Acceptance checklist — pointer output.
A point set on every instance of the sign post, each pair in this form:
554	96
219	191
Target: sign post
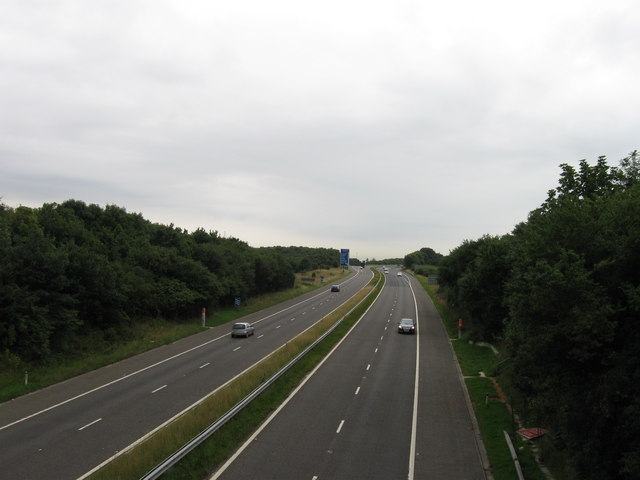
204	315
459	328
344	257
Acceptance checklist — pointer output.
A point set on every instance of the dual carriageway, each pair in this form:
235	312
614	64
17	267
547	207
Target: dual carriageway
380	406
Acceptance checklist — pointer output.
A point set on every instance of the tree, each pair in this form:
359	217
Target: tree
472	278
424	256
573	311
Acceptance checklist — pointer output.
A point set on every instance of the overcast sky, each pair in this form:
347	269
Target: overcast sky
379	126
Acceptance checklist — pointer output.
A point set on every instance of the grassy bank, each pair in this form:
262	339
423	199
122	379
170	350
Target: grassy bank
223	442
99	349
491	408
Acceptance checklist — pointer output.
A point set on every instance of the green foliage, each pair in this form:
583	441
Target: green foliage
424	256
472	279
303	259
563	291
69	270
385	261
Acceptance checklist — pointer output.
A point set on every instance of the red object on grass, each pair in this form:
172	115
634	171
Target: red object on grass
531	433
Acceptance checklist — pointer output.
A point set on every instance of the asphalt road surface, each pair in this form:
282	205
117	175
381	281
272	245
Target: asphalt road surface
383	405
65	431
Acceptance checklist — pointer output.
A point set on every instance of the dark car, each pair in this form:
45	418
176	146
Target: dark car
242	329
335	288
407	325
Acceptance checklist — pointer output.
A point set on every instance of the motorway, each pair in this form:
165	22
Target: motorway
381	406
68	429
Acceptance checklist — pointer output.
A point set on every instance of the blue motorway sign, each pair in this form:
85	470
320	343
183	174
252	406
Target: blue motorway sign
344	257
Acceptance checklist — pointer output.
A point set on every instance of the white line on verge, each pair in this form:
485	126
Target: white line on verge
414	422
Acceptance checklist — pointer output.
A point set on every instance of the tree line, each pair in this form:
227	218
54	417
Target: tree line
69	270
562	294
422	259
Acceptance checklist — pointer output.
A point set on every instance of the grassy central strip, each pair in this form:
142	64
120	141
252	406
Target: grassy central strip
146	455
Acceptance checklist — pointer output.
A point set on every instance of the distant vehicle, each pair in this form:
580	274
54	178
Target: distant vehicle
407	325
399	274
242	329
386	270
335	288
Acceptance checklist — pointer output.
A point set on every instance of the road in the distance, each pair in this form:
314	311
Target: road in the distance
354	418
72	427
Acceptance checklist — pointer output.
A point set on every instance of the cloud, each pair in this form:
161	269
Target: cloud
379	126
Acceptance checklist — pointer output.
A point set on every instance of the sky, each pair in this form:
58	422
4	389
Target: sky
381	126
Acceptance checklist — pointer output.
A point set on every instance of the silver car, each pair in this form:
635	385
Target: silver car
242	329
407	325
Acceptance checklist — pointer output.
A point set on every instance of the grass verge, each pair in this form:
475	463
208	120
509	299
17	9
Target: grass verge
143	457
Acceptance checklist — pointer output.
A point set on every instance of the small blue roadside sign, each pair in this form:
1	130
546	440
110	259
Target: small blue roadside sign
344	257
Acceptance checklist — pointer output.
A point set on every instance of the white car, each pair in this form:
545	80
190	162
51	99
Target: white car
399	274
242	329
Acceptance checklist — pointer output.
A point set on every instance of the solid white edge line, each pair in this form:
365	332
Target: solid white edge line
414	422
250	440
158	363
